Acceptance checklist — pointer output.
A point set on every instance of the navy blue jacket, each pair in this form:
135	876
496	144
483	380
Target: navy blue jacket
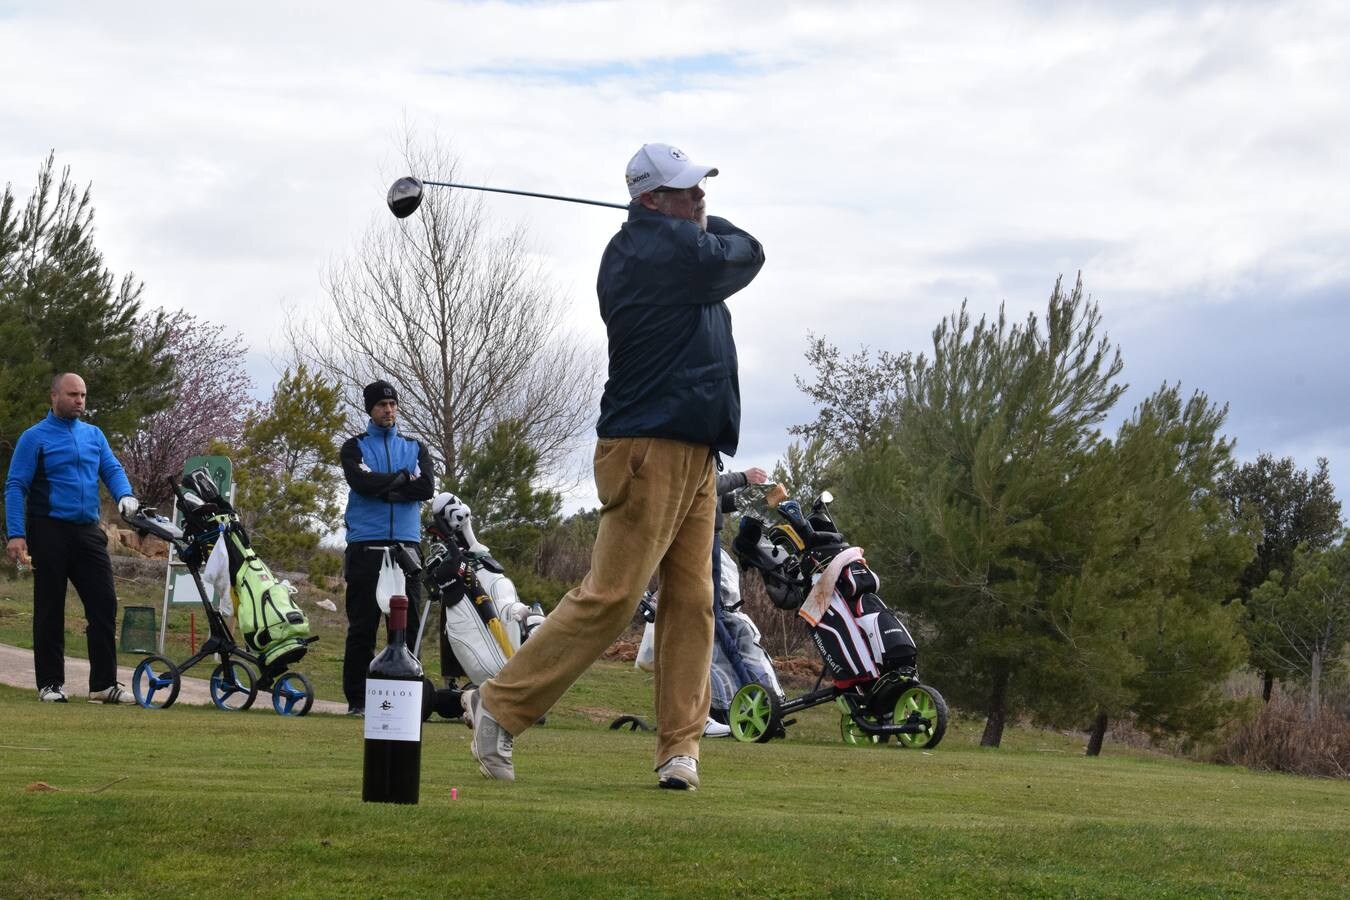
389	475
672	358
55	471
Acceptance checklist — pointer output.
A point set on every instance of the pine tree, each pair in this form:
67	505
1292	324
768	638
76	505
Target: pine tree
498	481
1292	509
286	472
1144	629
63	311
511	516
1305	628
991	430
1046	569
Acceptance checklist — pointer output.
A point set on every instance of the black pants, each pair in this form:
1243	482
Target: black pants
64	551
363	563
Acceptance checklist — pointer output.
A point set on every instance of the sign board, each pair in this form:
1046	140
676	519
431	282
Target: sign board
178	584
182	589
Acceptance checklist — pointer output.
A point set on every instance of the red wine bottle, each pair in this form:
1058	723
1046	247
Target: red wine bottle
393	768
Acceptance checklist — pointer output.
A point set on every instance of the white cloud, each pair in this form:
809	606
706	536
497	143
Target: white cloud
893	158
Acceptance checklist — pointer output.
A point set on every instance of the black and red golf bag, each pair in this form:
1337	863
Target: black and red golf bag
808	566
858	636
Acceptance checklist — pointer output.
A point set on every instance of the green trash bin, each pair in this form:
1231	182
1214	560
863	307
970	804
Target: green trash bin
138	629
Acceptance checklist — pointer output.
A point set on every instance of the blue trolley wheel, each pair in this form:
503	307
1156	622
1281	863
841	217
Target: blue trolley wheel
234	686
156	682
292	695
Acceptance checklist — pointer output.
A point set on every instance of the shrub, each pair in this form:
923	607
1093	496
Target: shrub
1286	736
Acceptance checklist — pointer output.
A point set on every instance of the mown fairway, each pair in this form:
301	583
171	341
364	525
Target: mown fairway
217	804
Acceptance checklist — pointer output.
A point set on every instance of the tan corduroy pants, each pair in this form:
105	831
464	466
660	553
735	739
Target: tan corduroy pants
657	503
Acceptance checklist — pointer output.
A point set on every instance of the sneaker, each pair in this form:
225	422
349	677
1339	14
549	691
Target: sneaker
714	728
114	694
358	711
53	693
679	773
491	745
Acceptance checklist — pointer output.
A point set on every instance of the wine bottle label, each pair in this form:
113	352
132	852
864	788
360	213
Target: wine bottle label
393	710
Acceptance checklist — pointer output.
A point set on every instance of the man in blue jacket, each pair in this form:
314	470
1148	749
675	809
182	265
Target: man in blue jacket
389	476
51	517
671	404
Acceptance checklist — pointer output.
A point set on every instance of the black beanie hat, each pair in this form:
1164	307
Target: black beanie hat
377	391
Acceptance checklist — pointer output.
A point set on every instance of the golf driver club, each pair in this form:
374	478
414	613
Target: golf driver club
405	195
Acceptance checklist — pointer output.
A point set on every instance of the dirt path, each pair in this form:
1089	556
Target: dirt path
16	669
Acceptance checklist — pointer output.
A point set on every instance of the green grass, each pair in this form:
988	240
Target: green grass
212	803
216	803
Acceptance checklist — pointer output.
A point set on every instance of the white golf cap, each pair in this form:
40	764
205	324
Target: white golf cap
661	165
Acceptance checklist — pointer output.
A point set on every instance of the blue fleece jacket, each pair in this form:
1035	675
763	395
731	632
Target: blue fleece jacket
55	471
389	475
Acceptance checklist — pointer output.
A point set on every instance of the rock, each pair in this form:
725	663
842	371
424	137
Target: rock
126	542
623	651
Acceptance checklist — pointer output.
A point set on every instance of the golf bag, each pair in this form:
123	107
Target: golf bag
273	627
485	621
738	656
857	635
808	566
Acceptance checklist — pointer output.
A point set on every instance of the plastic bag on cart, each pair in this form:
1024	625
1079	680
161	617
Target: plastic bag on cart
646	654
216	575
391	583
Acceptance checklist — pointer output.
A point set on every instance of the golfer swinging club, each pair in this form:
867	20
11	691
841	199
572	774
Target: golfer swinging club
671	405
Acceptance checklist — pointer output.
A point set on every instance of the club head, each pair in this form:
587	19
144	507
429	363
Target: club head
405	195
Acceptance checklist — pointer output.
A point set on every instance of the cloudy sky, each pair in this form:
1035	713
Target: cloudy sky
1188	158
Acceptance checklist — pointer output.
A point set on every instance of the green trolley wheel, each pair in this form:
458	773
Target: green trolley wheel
921	705
849	730
754	714
855	736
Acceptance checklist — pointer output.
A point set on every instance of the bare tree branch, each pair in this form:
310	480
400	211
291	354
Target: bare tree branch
462	321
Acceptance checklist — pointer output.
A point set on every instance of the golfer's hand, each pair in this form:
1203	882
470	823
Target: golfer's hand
756	476
128	506
17	548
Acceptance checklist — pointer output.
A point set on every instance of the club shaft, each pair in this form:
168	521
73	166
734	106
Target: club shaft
475	187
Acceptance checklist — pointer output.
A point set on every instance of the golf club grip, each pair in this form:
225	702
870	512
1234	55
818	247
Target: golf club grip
475	187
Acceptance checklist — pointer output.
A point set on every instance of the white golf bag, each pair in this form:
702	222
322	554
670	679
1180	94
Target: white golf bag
739	644
485	620
745	644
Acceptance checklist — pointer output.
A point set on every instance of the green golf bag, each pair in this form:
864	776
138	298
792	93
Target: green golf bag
273	627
